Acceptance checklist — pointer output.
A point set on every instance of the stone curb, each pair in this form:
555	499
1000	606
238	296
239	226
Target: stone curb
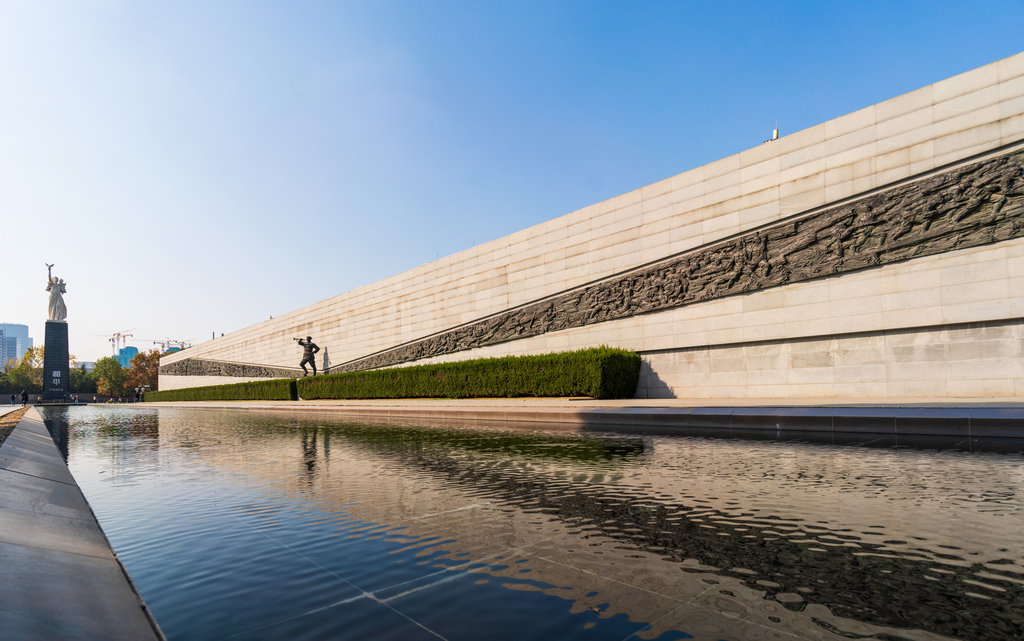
942	426
62	580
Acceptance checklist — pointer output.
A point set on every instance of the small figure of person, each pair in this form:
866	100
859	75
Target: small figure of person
136	396
24	397
12	399
64	399
309	350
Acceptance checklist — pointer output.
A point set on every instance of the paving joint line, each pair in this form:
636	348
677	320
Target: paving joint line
38	477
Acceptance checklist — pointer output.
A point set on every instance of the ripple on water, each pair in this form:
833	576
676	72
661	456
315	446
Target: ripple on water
271	526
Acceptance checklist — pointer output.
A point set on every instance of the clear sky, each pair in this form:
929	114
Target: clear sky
195	167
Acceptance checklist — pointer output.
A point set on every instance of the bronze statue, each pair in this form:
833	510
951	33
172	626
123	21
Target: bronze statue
309	349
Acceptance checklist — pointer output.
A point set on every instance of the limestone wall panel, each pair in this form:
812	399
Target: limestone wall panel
944	123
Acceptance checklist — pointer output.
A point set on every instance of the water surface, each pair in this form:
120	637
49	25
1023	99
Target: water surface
247	525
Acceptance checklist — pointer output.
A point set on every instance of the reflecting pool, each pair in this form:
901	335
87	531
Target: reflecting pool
247	525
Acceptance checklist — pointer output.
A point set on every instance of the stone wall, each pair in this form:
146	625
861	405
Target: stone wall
901	216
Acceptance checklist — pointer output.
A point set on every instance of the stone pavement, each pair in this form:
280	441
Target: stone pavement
61	580
4	409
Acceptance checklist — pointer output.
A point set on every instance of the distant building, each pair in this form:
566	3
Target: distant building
86	365
125	356
14	341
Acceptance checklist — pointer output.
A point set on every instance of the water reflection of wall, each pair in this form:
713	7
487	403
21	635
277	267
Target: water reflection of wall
666	531
56	419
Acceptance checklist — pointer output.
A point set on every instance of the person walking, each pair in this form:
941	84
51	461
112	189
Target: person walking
12	398
24	397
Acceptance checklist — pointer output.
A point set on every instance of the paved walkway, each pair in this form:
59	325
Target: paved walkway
61	580
4	409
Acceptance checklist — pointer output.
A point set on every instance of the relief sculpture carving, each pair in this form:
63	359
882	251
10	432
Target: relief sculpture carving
969	206
203	367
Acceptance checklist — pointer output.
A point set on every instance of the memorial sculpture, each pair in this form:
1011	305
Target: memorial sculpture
309	350
56	368
56	287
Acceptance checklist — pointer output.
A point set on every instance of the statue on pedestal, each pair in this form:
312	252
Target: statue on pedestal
58	311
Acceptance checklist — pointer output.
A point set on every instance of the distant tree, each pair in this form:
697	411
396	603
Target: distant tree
145	370
82	381
6	387
34	356
28	375
110	377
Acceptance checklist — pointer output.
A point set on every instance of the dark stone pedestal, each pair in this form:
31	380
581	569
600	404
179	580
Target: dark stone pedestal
56	370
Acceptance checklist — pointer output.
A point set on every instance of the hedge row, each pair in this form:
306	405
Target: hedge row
601	372
278	389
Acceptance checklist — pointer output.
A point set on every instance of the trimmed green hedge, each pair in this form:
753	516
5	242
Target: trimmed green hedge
278	389
601	372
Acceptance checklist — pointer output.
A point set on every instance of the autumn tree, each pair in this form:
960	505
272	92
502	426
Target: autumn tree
111	378
145	370
28	374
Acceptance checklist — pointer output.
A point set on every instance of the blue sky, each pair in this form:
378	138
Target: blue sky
194	167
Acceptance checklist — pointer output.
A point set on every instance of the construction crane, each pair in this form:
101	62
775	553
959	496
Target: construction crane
169	343
117	338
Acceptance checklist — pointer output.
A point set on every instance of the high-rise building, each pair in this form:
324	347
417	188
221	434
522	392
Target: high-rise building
125	356
15	341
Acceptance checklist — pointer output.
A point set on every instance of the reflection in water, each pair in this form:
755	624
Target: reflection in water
139	427
308	436
280	527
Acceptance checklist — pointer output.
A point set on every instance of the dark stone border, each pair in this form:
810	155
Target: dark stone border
971	429
968	206
991	428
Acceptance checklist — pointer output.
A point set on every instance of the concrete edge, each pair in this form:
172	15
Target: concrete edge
44	451
898	421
